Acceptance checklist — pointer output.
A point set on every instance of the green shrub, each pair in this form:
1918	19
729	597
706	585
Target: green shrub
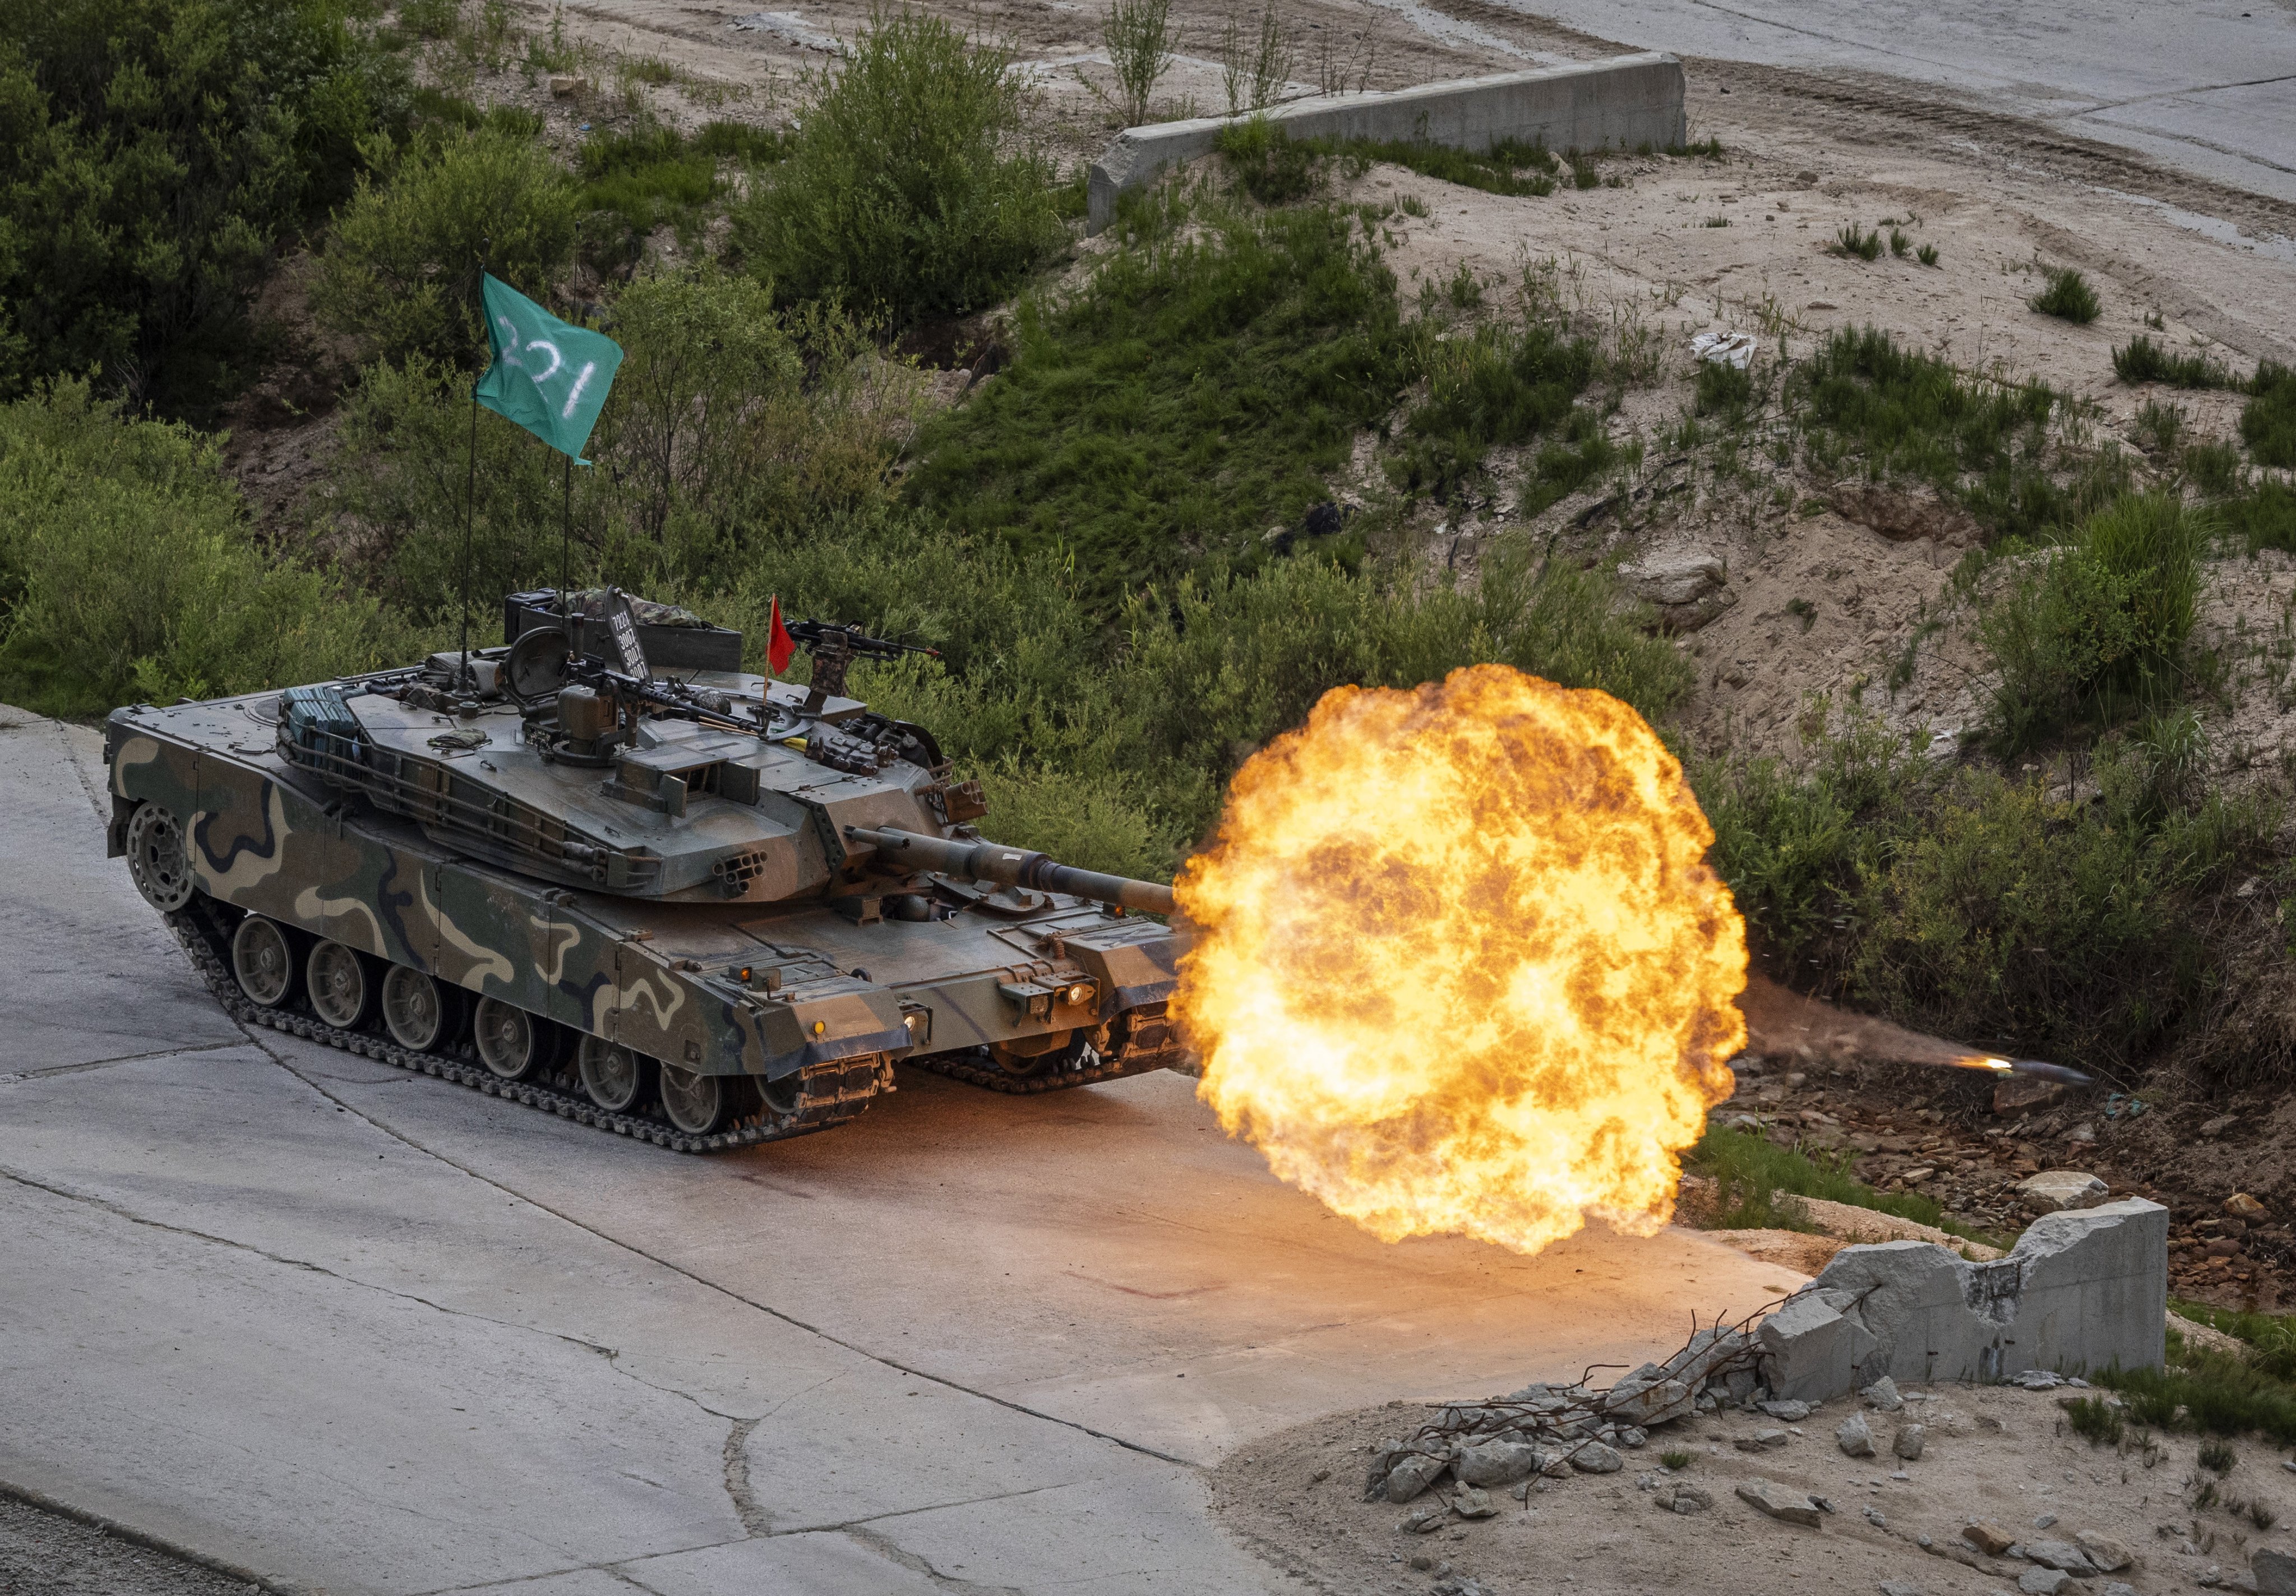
901	191
1188	396
1497	387
2214	1393
401	270
2267	423
728	426
2141	360
2214	467
1968	904
153	154
2068	296
2097	1420
2103	617
128	571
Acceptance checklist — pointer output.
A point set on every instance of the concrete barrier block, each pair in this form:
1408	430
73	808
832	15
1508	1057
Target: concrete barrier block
2082	1289
1620	103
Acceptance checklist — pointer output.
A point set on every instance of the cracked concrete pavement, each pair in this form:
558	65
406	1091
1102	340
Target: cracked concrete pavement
352	1331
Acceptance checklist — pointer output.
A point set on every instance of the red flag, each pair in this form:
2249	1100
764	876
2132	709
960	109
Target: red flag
779	644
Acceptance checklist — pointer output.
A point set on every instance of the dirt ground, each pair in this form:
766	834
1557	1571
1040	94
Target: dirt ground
1993	1453
47	1554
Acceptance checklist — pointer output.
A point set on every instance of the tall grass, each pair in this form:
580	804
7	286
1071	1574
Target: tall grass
2099	622
909	190
2141	361
1751	1172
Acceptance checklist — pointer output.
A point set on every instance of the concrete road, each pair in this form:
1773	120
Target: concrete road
355	1330
2209	87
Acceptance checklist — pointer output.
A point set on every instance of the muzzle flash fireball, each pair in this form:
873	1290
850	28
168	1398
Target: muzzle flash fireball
1460	964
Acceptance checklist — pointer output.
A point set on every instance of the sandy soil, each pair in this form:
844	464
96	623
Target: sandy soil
1994	1453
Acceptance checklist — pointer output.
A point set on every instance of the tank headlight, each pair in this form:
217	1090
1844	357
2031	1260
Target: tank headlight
1079	995
819	1026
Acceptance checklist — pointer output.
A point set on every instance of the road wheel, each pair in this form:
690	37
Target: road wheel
1036	1055
413	1009
512	1043
614	1077
263	962
158	863
696	1103
337	979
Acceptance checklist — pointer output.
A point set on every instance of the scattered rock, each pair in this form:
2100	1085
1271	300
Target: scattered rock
1854	1437
1595	1457
2108	1555
1790	1412
1883	1395
1908	1444
2063	1555
1899	1587
1425	1519
1987	1539
1763	1440
561	85
1899	514
1497	1462
2044	1520
2043	1582
1412	1474
2274	1572
1472	1502
1675	577
2242	1206
1684	1498
2052	1190
1779	1501
2021	1094
2114	1587
2219	1125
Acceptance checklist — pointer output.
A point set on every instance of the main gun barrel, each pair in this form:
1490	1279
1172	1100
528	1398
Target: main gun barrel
1010	866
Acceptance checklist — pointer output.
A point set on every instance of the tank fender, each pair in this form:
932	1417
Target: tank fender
1130	972
797	1031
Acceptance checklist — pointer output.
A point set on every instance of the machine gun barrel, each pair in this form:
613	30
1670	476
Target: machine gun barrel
1010	866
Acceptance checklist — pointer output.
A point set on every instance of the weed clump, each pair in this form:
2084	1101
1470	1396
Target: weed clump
1863	242
2068	296
899	193
2096	1419
1902	414
1749	1172
1723	390
1927	255
2141	360
1509	166
2267	423
1271	168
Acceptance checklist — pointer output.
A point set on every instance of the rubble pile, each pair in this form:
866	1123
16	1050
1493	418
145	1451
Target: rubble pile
1555	1430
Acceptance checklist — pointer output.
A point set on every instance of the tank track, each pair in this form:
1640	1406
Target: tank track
830	1094
1151	1041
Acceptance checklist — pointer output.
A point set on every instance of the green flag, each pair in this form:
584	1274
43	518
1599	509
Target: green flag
549	376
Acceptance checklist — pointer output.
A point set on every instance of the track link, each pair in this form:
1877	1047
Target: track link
1151	1041
830	1094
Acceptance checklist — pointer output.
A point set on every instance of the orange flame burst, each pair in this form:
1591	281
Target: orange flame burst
1460	965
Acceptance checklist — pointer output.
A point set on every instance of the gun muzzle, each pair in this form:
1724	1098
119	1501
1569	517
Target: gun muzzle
1009	866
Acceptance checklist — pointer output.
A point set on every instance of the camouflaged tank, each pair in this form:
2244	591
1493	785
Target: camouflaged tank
603	871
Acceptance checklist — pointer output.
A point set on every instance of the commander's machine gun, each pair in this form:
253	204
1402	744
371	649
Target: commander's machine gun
835	647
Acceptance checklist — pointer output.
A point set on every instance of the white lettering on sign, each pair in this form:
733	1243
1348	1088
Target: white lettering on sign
556	360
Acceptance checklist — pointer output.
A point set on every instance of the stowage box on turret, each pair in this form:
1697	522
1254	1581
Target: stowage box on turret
604	872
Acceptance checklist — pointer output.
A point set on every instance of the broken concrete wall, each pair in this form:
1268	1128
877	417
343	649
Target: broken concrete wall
1622	103
2082	1289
